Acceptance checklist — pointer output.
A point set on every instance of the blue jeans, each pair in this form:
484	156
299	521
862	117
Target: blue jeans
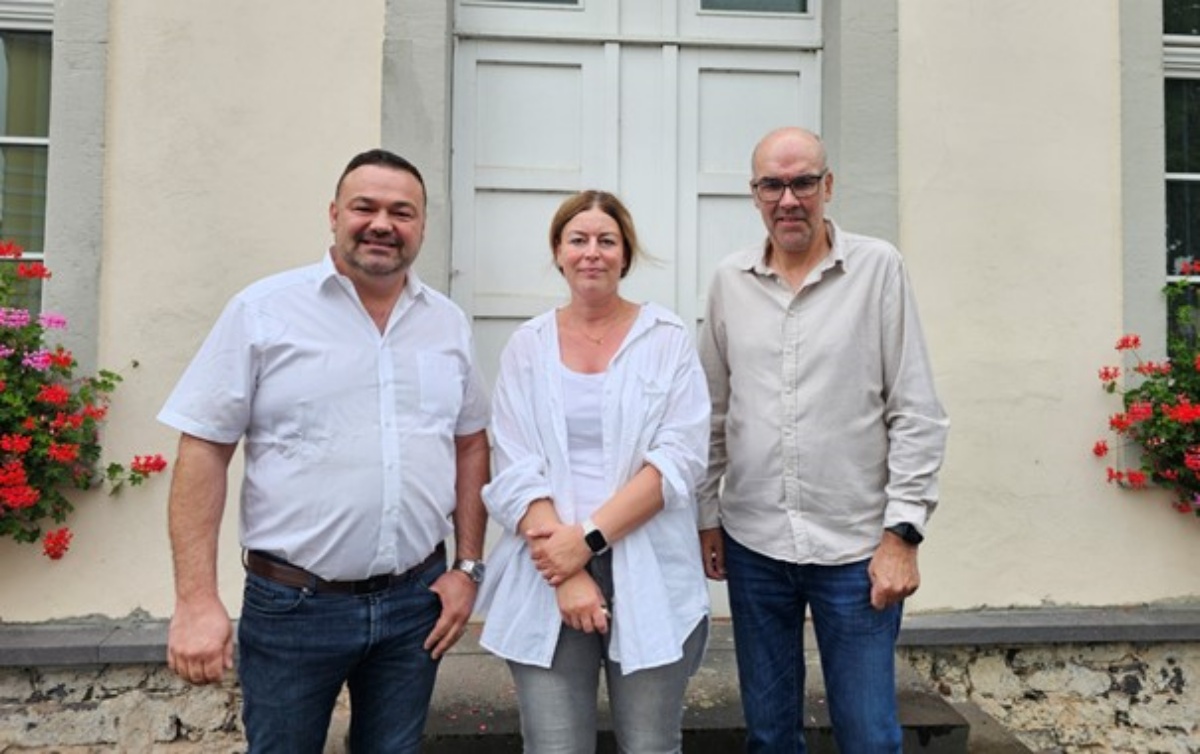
297	649
767	599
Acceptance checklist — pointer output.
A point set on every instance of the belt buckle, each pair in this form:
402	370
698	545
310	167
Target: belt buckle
373	584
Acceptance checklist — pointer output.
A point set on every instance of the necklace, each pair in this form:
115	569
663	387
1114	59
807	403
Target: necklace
598	339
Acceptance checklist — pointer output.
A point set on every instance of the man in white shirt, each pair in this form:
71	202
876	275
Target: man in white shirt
826	440
354	390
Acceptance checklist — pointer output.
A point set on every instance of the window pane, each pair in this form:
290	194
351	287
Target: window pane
1183	223
531	2
1181	17
1183	125
24	84
759	6
23	196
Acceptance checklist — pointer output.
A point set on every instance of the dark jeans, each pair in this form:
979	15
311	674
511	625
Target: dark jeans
767	599
297	649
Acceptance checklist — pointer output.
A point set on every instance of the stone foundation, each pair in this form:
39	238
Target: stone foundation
129	708
1122	697
1061	679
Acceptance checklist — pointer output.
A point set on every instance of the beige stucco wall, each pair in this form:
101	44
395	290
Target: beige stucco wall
1011	220
228	122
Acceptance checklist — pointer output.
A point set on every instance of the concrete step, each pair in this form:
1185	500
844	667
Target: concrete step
474	709
930	725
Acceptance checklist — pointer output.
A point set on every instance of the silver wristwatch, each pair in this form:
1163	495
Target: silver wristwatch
473	568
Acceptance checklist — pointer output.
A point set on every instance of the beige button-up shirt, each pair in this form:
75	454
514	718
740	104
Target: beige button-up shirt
826	427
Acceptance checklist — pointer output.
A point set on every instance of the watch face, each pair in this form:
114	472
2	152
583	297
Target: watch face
472	568
908	533
596	541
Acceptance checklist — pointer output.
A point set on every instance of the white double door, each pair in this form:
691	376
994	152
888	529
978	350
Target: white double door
648	101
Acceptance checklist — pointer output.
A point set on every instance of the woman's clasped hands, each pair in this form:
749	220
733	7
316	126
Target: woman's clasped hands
559	553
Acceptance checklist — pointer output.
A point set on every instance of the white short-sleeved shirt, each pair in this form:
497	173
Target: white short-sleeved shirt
349	433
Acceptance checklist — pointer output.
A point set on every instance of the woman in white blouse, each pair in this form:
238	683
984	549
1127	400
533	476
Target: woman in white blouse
600	428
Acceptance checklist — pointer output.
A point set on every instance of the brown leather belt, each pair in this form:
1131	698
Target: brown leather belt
282	572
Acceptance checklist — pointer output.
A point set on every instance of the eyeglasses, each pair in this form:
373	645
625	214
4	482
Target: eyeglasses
802	186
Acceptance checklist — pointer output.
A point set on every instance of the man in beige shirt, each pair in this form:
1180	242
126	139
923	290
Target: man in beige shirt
827	437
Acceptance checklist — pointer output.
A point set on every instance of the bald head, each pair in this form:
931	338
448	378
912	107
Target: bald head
788	136
789	163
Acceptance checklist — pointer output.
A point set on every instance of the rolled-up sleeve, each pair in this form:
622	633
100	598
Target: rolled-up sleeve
520	474
679	449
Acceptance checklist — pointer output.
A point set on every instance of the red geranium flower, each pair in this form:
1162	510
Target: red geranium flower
19	497
148	464
32	271
56	543
1129	343
55	395
64	453
16	443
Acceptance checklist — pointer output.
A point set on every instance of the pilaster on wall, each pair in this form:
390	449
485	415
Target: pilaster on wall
75	174
860	114
1143	165
417	71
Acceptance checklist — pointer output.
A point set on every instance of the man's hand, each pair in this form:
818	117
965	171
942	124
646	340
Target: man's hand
558	551
893	570
200	641
712	551
581	604
457	592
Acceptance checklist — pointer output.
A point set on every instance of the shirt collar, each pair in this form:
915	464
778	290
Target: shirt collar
755	260
414	287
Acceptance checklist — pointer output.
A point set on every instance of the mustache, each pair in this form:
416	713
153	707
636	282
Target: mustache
377	237
792	213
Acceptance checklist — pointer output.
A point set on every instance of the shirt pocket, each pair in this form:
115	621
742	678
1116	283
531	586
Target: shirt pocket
654	392
645	406
441	386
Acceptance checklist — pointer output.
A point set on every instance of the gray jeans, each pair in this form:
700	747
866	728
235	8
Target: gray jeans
558	704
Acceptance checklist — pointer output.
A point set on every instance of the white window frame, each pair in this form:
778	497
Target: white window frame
1181	60
36	16
27	15
659	21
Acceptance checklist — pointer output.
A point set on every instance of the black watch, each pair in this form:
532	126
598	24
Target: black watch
908	533
594	538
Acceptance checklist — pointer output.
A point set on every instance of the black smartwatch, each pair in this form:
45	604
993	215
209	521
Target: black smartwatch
908	533
594	538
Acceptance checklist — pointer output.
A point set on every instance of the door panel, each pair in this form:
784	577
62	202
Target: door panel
530	128
668	127
729	100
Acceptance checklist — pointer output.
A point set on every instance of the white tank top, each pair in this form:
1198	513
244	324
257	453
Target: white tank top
584	406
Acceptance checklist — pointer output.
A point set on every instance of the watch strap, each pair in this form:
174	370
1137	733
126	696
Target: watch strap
473	568
594	538
908	533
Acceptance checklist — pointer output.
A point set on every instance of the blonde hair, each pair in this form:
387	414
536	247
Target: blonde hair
608	204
